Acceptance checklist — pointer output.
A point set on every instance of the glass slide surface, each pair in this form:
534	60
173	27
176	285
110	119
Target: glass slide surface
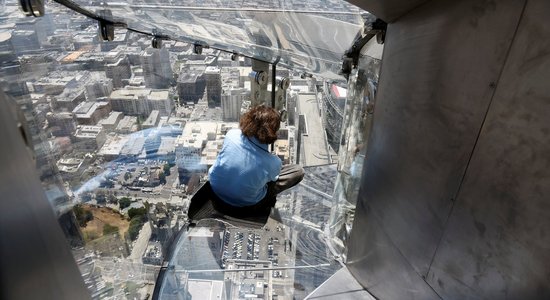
307	36
123	135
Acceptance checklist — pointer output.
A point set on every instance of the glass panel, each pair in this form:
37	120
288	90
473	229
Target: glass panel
292	246
356	128
123	135
307	36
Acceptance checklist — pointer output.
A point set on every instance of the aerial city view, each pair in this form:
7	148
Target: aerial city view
123	135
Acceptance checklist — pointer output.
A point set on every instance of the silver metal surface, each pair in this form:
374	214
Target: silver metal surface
388	10
258	87
341	285
35	259
441	66
497	243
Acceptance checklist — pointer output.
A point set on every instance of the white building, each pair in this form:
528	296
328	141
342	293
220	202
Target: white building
111	122
140	101
232	99
160	100
198	146
127	125
89	138
190	144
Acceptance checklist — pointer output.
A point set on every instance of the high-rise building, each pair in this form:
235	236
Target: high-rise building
140	101
191	86
117	68
334	100
89	138
213	86
130	101
160	100
89	113
99	89
69	99
111	122
156	68
232	99
61	124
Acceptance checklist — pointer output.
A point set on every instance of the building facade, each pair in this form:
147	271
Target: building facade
213	79
156	68
191	85
118	69
89	138
334	100
231	101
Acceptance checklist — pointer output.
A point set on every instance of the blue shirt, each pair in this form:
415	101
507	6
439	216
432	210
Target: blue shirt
242	170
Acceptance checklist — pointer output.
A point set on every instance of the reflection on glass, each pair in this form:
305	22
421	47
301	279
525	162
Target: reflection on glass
123	135
288	258
356	126
309	37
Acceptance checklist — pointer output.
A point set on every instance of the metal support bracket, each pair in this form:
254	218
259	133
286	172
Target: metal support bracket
32	7
258	82
351	56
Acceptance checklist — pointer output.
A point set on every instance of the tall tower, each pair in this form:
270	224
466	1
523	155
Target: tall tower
231	102
156	68
213	86
117	67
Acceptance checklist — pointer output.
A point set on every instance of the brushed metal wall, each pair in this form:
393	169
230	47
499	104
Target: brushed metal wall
497	242
455	201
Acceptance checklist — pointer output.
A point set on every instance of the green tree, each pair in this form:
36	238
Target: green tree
109	229
162	178
167	169
135	225
83	216
124	202
132	212
100	197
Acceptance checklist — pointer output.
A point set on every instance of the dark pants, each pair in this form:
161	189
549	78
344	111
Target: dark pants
290	176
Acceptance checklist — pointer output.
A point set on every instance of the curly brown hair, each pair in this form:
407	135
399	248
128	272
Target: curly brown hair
261	122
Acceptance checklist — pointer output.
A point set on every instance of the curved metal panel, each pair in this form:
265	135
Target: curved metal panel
387	10
441	62
497	244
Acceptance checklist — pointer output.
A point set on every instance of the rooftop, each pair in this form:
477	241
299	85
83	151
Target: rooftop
133	93
112	119
86	109
159	95
87	131
114	144
212	70
152	119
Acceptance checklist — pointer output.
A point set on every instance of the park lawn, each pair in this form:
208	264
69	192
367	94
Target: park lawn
102	216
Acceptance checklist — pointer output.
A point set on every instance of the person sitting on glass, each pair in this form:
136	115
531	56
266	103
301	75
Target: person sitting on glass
246	177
